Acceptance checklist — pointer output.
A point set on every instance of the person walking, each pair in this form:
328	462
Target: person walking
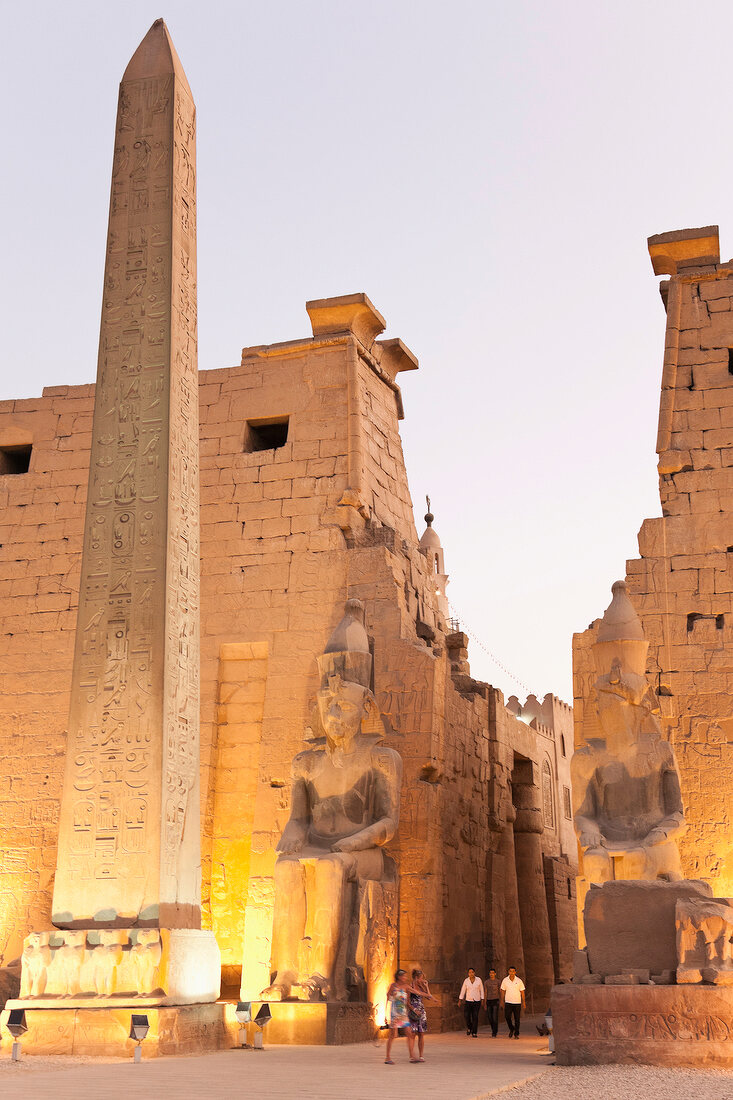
416	1009
471	996
512	997
398	1017
491	995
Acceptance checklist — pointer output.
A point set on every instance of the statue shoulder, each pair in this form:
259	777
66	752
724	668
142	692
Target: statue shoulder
584	762
386	759
305	763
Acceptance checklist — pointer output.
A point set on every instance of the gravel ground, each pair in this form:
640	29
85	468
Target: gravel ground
45	1062
625	1083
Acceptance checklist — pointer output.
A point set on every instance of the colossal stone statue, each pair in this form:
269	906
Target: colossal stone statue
626	790
345	808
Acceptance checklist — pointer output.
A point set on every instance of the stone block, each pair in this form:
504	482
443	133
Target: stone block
647	1024
631	925
105	1032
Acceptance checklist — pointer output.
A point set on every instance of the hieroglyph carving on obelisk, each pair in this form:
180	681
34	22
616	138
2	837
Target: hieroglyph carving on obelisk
129	842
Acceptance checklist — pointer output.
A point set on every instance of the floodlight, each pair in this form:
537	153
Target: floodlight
16	1024
139	1028
263	1016
243	1011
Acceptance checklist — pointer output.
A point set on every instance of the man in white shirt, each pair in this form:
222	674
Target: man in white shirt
471	996
512	997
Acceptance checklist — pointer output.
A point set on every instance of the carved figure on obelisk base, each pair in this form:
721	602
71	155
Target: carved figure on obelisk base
345	808
626	787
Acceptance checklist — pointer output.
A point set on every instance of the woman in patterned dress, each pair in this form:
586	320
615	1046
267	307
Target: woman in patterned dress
416	1009
397	1015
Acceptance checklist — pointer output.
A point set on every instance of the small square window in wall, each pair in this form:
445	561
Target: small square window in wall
15	460
566	803
266	435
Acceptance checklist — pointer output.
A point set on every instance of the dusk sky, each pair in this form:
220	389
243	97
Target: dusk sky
487	173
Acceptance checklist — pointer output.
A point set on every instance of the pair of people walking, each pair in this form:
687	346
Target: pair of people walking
510	993
406	1012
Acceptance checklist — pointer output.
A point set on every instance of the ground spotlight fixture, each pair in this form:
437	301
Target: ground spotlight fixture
17	1026
243	1012
139	1028
262	1018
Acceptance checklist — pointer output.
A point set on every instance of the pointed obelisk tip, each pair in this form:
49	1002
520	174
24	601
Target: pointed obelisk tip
155	56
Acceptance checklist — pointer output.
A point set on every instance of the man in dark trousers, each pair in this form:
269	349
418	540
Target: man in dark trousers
471	997
512	997
491	995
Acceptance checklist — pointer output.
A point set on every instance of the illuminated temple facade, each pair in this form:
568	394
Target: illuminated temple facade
304	503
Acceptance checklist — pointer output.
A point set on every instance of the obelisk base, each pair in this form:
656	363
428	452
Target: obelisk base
184	1029
115	967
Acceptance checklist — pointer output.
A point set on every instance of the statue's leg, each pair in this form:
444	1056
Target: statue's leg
330	874
636	864
289	923
597	865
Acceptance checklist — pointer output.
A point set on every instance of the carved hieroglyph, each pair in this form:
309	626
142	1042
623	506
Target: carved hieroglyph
129	847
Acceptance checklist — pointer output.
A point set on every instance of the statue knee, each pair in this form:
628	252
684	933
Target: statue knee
597	865
288	872
329	869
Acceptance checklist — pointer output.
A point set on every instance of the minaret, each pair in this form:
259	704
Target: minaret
129	836
431	546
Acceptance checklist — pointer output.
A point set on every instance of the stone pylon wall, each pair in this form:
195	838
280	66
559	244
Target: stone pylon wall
287	534
682	583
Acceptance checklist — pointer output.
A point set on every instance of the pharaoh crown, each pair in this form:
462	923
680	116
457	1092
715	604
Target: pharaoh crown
347	653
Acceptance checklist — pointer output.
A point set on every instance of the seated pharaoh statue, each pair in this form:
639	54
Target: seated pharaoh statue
626	787
344	809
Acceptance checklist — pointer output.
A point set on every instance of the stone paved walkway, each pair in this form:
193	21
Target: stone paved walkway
456	1068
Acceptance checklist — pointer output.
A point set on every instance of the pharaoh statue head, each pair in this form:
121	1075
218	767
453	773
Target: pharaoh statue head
619	654
344	698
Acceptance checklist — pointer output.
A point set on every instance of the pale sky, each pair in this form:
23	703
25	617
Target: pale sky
486	172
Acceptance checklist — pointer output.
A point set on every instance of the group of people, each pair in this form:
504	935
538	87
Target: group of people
475	993
406	1007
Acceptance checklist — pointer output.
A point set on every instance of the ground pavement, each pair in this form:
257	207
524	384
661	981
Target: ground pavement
456	1068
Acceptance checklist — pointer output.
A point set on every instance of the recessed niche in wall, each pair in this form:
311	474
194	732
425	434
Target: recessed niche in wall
15	460
266	435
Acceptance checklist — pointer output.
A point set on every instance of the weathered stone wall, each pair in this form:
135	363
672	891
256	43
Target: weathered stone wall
287	534
682	584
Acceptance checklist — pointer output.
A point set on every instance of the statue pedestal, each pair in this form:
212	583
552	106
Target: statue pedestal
318	1023
664	1025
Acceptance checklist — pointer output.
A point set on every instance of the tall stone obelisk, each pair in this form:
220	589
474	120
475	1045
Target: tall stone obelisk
129	837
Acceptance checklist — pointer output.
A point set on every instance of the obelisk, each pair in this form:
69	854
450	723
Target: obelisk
129	836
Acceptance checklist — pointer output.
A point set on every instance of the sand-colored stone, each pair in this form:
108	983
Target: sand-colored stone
288	533
140	967
683	1025
681	584
194	1028
631	925
704	940
129	834
335	905
628	810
